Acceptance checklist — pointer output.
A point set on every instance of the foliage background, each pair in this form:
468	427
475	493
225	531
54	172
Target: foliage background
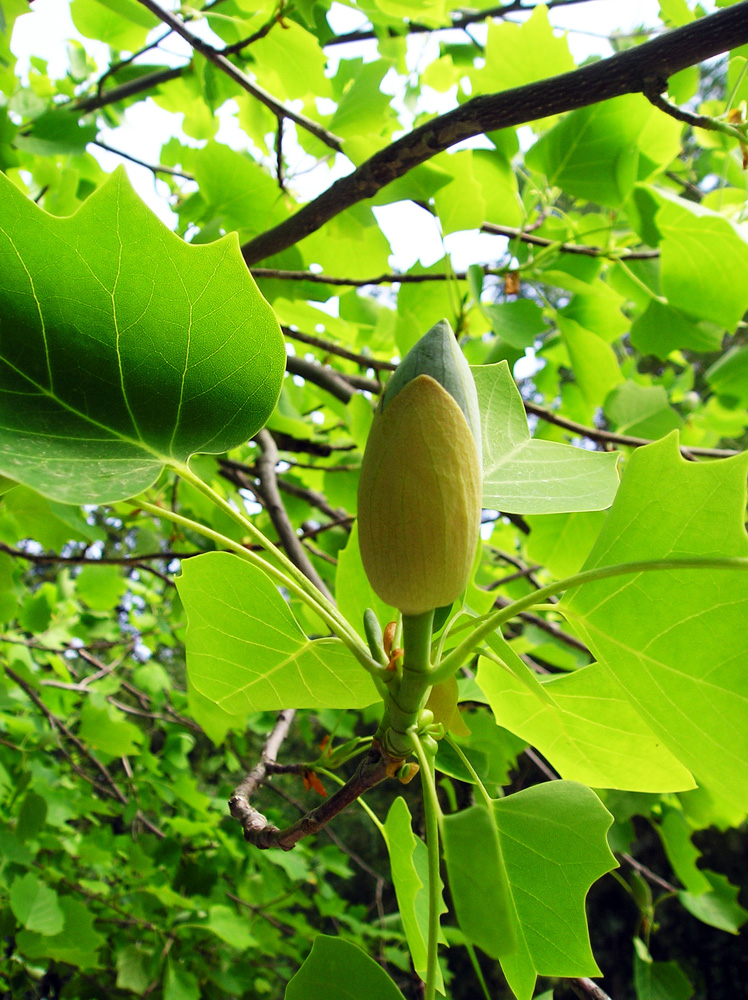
121	872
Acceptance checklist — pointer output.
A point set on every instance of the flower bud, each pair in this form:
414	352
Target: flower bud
419	496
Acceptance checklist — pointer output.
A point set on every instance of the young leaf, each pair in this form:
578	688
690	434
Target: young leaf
150	351
338	970
676	641
246	652
526	476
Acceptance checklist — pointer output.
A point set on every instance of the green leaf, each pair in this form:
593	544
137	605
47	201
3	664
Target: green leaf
132	969
123	23
675	834
157	350
641	410
729	375
675	641
101	587
179	983
662	329
527	476
517	54
554	846
593	361
577	154
562	542
77	944
588	730
338	970
104	728
719	907
36	905
660	980
478	883
409	868
518	322
246	651
704	258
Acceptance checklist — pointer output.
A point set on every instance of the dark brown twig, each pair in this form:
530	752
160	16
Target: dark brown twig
235	74
571	248
611	437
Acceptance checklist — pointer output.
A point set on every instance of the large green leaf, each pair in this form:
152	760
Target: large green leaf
676	641
147	352
599	152
338	970
527	476
246	651
586	727
478	882
704	259
553	839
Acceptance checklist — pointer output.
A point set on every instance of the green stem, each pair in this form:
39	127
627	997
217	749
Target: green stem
454	660
320	601
432	816
332	621
408	697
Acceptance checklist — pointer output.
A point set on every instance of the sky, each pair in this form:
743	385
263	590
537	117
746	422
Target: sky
412	232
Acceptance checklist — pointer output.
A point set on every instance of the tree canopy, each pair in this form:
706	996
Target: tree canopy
187	388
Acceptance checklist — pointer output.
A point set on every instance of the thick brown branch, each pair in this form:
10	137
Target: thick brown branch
373	769
234	73
643	68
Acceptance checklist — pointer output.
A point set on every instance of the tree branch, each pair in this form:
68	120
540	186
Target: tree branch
611	437
460	20
574	248
645	67
234	73
265	469
373	769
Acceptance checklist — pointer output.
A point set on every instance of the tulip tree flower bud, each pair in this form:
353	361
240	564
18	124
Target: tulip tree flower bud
419	495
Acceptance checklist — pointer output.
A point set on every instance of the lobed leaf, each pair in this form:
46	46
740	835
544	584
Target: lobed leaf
149	351
526	476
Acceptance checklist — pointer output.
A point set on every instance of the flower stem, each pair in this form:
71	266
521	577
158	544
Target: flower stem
432	816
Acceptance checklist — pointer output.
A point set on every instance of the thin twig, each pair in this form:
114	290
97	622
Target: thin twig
572	248
611	437
234	73
155	168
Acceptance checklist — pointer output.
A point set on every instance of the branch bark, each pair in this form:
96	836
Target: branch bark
644	68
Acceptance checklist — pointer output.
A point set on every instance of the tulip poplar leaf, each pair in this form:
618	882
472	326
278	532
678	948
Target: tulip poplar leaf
553	842
675	641
588	730
246	651
148	351
339	970
523	475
